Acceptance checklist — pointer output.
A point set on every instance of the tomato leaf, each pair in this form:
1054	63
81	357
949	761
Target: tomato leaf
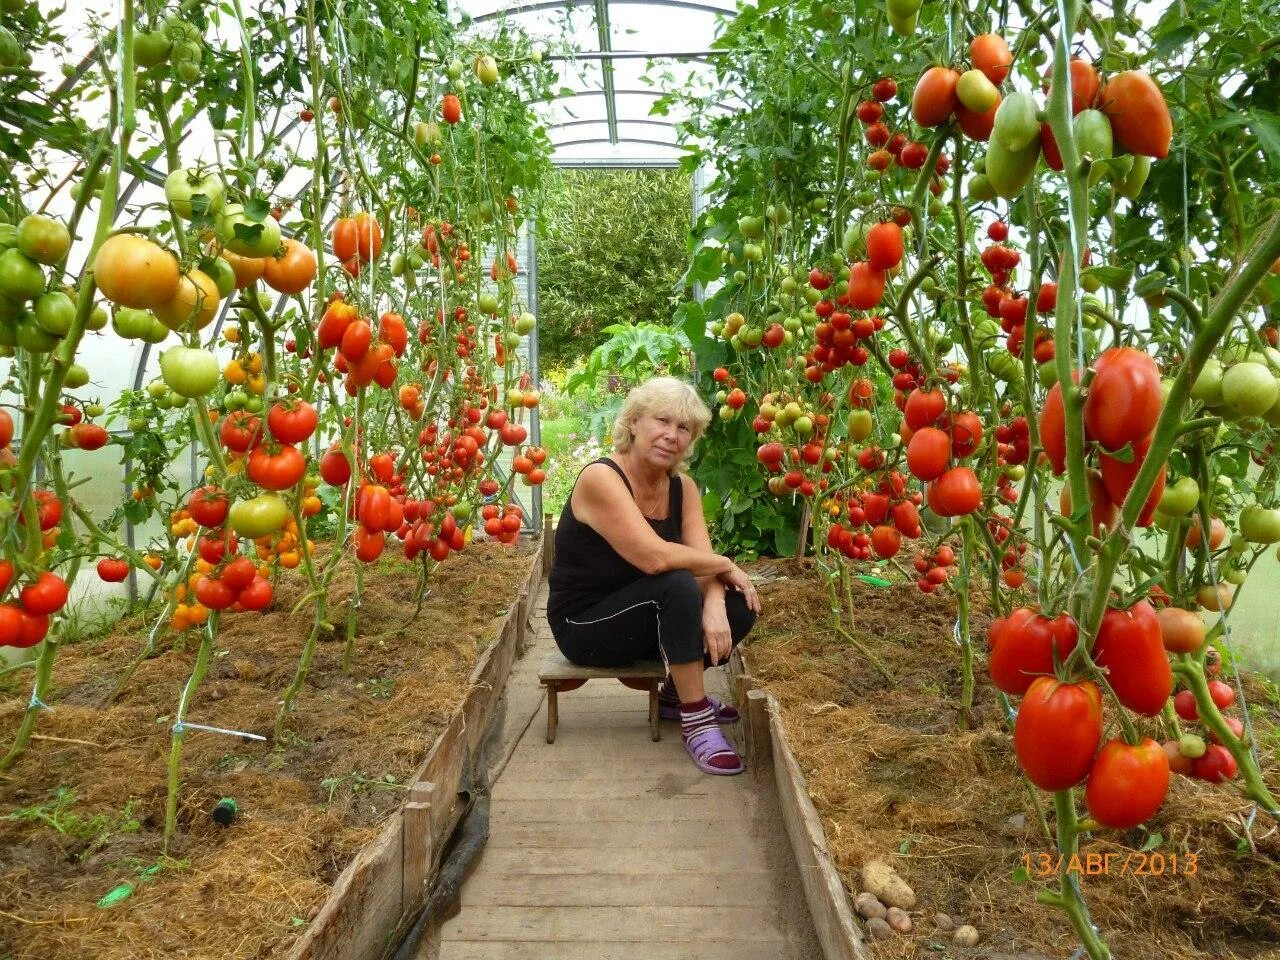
1153	841
1020	876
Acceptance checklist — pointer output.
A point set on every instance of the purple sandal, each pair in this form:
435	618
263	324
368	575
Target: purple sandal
670	709
709	743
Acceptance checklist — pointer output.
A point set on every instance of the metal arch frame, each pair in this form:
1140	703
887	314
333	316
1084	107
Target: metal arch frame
637	163
655	94
541	5
582	123
604	34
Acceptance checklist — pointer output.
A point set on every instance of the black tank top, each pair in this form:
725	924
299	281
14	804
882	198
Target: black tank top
586	568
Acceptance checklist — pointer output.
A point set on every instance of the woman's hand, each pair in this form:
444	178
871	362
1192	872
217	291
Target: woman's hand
717	639
738	580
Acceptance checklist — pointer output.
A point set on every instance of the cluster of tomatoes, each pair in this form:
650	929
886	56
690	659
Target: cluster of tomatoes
878	517
357	241
1190	755
1003	304
935	438
935	568
81	434
1120	413
365	358
893	148
440	237
25	623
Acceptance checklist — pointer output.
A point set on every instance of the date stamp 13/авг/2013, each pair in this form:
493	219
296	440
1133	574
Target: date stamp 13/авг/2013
1130	863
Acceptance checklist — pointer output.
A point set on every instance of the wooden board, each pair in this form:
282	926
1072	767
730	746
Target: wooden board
648	925
828	902
556	667
633	854
363	909
706	833
608	950
605	890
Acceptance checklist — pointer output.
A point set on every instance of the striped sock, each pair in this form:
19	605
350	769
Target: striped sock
667	697
700	717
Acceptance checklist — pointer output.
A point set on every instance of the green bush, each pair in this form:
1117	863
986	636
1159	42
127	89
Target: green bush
612	249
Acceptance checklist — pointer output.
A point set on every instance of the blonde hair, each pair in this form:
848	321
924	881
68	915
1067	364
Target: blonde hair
661	395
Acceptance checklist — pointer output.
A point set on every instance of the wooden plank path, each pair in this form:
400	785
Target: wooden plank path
607	846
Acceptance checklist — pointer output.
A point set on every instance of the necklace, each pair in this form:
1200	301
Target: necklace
657	502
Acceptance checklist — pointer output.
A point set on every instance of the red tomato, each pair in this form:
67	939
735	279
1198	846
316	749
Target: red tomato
1222	694
292	420
6	576
1102	511
383	467
47	595
934	98
1177	762
208	506
1022	647
866	286
1216	766
966	434
240	430
1124	399
239	573
276	471
335	468
112	570
344	240
450	109
48	509
392	331
884	245
924	407
927	453
1053	428
6	428
1118	477
89	436
10	625
214	594
1057	732
886	541
369	544
1184	704
990	54
34	629
1139	115
1127	784
955	493
372	505
355	341
257	595
1129	647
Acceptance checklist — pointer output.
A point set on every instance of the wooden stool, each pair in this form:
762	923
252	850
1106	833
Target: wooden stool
557	673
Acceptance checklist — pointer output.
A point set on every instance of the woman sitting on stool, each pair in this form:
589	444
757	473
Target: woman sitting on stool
634	576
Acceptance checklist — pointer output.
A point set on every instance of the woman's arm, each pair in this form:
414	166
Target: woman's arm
601	500
694	533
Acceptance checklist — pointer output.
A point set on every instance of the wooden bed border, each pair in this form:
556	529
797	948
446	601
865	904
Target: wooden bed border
388	880
768	750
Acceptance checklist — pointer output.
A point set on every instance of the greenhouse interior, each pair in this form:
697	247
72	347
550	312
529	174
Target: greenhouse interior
653	479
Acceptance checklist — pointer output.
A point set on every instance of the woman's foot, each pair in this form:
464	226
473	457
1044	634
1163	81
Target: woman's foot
669	705
710	751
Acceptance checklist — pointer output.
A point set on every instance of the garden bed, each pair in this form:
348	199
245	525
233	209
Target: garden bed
893	778
83	811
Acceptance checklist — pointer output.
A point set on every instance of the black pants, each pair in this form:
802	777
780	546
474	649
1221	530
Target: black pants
657	617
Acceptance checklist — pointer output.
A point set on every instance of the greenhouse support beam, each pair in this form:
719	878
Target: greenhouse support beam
613	163
557	4
605	34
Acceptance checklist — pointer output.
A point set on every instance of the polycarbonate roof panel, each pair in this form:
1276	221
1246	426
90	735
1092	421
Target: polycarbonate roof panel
651	31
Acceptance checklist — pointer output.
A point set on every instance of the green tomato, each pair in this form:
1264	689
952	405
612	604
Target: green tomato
156	389
8	235
249	238
455	69
132	324
511	340
1208	386
461	511
97	319
860	424
150	49
20	277
525	323
253	404
8	335
486	69
188	190
157	332
55	313
803	425
138	424
1250	388
258	516
1180	498
33	338
174	400
77	376
1234	574
235	400
189	372
43	239
221	273
1259	524
488	303
92	410
751	337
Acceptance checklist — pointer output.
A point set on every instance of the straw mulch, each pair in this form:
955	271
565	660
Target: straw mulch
894	777
247	890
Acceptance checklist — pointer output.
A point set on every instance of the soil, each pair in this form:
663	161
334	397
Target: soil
306	804
895	777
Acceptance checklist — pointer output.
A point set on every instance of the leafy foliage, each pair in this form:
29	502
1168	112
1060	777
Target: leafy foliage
612	250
